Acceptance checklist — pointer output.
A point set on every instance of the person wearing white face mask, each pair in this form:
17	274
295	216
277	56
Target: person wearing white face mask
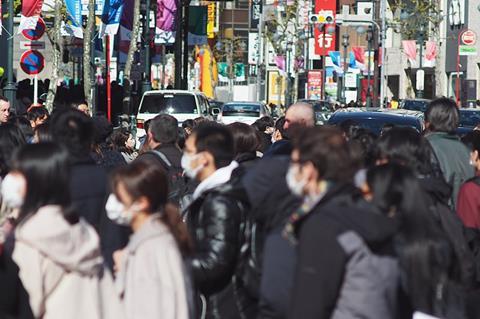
321	173
151	277
57	253
216	221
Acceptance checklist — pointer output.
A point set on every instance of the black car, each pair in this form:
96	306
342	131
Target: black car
414	104
323	110
375	119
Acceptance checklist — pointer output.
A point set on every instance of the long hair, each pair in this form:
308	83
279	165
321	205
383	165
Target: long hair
11	138
141	178
424	253
45	167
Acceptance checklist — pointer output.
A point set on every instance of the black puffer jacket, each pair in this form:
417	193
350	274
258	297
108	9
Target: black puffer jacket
217	222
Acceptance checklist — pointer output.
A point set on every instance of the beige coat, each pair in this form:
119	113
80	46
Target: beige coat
62	269
151	277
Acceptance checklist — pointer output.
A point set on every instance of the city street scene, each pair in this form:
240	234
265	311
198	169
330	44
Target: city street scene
239	159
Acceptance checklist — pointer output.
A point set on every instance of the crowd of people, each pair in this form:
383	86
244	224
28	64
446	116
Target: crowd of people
279	219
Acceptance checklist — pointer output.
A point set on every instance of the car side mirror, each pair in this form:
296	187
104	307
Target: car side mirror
215	111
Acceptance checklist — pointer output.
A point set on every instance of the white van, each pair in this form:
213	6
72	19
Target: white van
181	104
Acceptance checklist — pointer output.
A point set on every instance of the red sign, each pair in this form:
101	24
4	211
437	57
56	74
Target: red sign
37	33
325	42
314	85
32	62
469	37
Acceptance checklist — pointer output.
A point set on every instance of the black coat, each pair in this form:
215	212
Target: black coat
217	223
89	191
321	260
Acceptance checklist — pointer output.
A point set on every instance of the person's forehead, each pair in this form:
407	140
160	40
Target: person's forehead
4	104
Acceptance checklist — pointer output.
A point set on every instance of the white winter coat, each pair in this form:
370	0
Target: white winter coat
62	269
151	277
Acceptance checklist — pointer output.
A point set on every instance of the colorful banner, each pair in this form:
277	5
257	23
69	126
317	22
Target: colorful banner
112	12
410	50
255	13
197	25
125	32
165	27
212	20
431	53
31	10
314	85
73	27
325	42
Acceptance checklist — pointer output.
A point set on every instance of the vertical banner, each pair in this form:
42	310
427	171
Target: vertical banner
211	20
323	45
314	85
255	13
166	13
112	12
197	25
31	10
74	18
126	26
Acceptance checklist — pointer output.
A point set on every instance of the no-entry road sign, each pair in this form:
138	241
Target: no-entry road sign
32	62
469	37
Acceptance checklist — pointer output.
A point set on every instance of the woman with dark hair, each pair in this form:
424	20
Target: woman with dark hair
11	138
425	255
102	153
151	276
57	253
123	141
246	143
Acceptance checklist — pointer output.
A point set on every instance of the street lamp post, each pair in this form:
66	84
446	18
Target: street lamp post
288	93
146	85
421	34
345	43
10	87
369	84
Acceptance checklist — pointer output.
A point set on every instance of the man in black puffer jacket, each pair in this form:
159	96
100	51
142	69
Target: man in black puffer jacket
217	223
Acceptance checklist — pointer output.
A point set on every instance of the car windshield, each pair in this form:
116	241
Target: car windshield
415	105
169	103
241	110
469	118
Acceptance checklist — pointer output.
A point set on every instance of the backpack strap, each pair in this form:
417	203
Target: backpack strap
161	156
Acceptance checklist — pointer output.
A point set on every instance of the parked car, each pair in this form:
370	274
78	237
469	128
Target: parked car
374	119
244	112
469	119
183	105
414	104
323	110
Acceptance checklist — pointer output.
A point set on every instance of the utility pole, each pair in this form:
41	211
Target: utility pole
10	88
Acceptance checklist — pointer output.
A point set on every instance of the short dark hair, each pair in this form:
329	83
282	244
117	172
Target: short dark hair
3	98
262	123
164	129
245	138
74	130
326	148
279	126
118	139
43	133
11	138
472	141
37	112
45	164
442	115
217	140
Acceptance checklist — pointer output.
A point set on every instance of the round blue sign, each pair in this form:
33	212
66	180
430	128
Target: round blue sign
37	33
32	62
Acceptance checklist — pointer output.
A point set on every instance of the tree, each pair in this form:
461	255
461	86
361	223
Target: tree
56	39
131	52
87	48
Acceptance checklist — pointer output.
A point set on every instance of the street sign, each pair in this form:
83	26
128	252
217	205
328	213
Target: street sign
469	37
32	62
420	80
37	33
32	45
253	49
464	50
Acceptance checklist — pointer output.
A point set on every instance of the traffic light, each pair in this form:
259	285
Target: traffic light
323	17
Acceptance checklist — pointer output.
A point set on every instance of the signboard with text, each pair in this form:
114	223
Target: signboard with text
324	42
314	85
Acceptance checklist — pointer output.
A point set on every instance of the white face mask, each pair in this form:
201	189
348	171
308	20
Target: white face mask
187	165
12	189
117	212
295	186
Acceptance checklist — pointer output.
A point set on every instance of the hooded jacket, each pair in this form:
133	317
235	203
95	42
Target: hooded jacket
62	269
321	259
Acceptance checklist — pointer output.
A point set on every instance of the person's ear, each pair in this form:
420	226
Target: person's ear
142	204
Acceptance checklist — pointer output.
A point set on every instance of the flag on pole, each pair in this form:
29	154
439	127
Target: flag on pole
112	12
431	53
126	27
166	13
31	10
73	27
410	50
336	61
